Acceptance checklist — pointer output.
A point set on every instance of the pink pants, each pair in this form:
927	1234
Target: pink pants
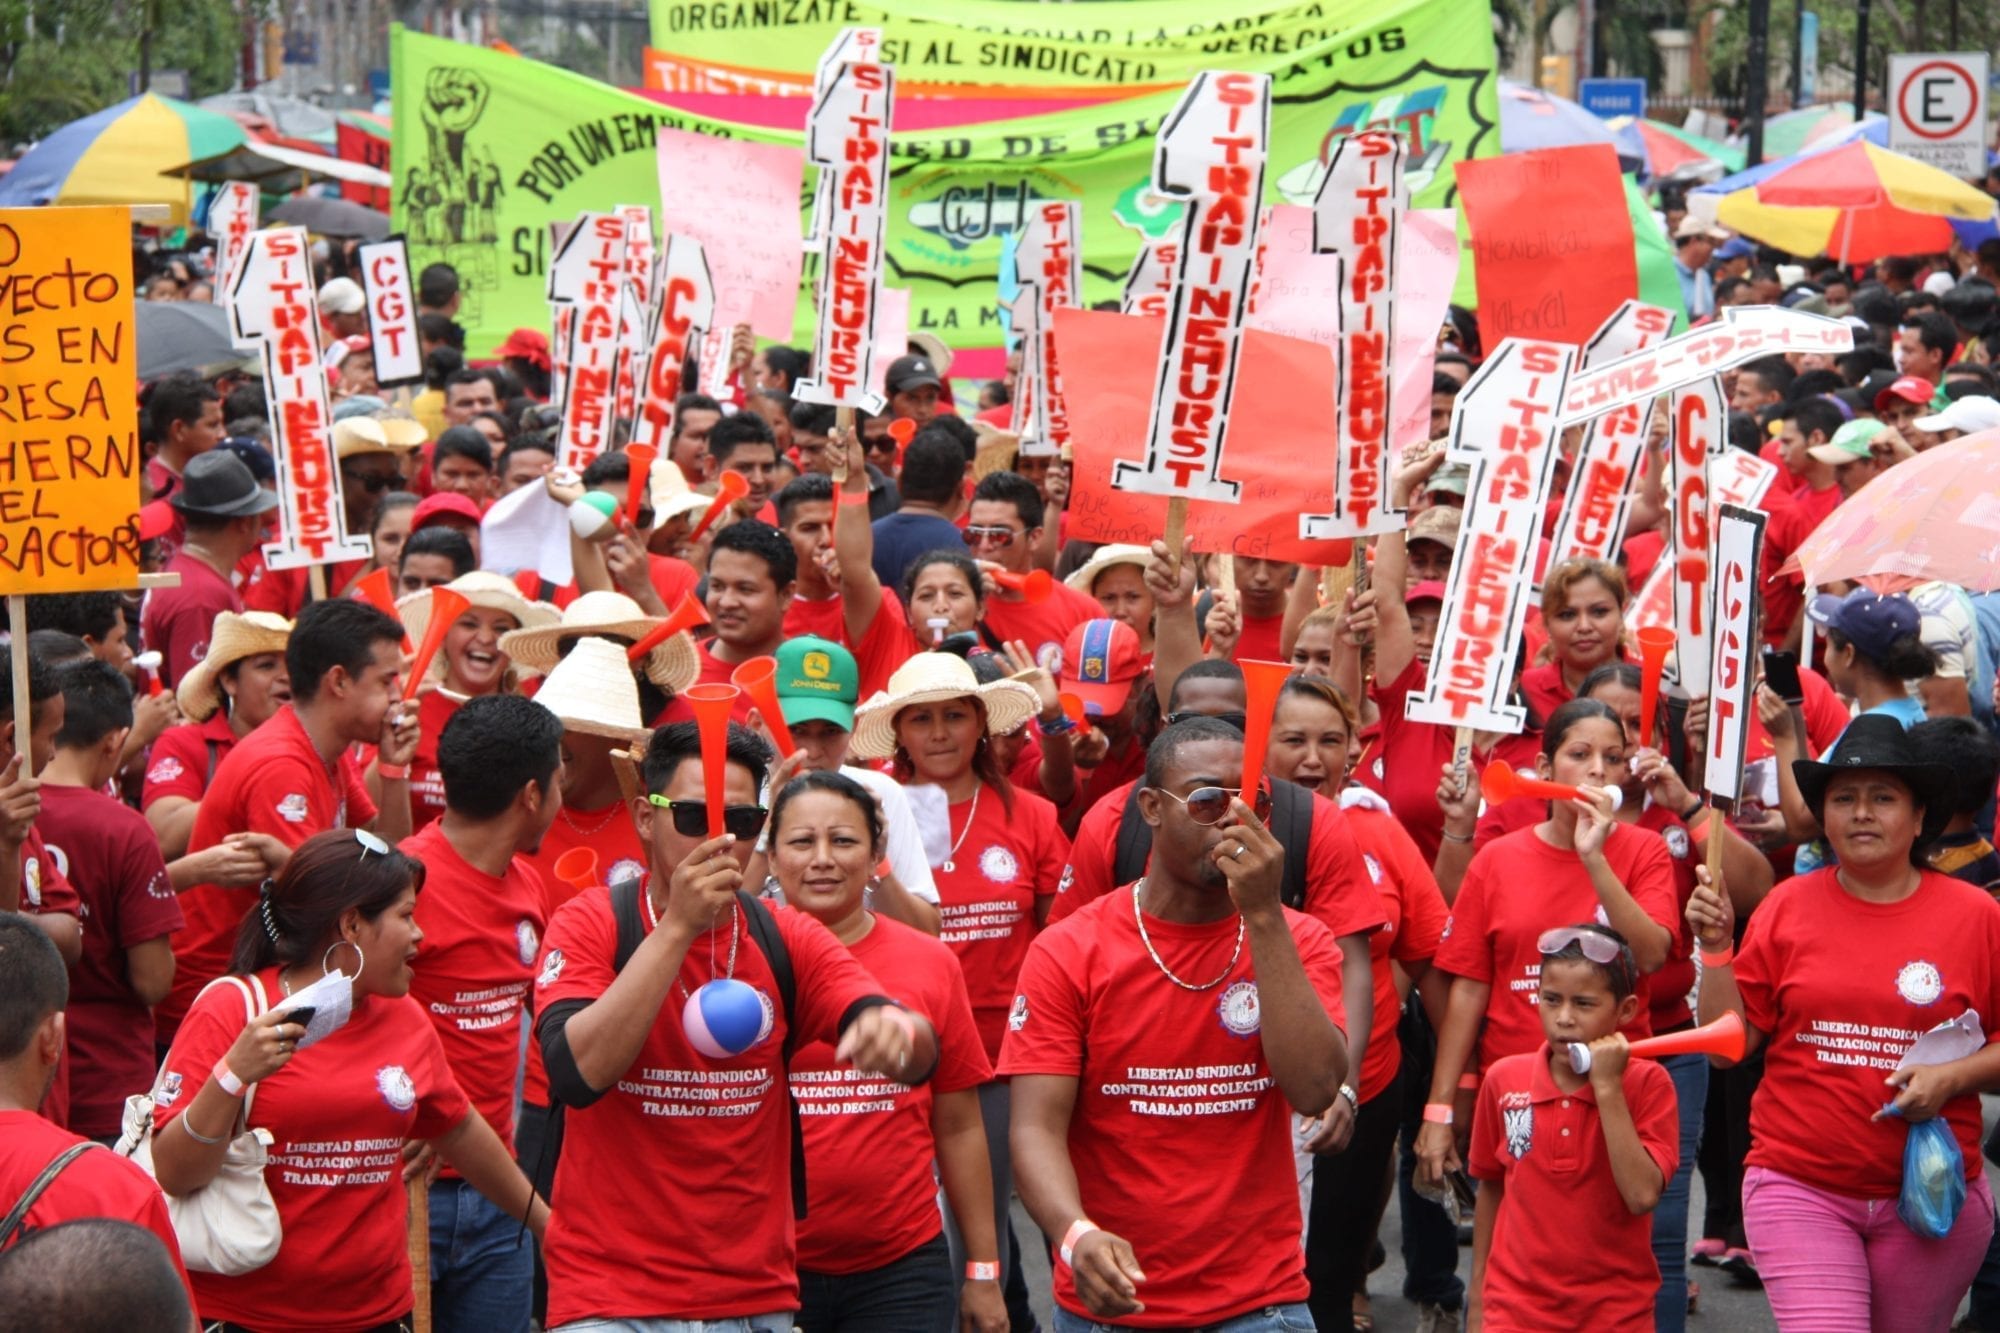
1833	1264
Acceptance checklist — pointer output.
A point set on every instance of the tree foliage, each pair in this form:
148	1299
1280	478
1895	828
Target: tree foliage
63	59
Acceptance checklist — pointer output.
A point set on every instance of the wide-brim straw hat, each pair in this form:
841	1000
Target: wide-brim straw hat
235	637
489	592
592	691
670	494
402	432
1116	554
994	451
1878	741
369	435
930	678
673	665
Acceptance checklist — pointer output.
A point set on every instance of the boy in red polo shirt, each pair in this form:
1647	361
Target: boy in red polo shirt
1593	1150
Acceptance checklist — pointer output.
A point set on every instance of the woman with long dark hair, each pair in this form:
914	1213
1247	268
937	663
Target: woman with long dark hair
342	1069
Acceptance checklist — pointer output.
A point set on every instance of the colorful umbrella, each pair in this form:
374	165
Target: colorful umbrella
1670	149
117	156
1796	131
1531	119
1928	517
1855	203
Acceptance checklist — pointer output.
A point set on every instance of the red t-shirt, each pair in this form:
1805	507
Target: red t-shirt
184	758
887	644
45	891
673	578
609	832
1842	987
99	1183
285	592
1825	713
987	891
684	1150
337	1114
1409	758
482	934
1546	1146
110	856
1784	594
1519	887
1417	914
1260	639
177	622
1339	890
273	782
1042	625
870	1194
714	671
1120	769
434	709
1169	1079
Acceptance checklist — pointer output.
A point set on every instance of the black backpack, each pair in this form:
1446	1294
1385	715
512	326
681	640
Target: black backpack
1291	825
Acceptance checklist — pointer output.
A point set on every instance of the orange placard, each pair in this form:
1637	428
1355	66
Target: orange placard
69	420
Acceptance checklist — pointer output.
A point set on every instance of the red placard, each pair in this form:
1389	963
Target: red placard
1265	439
1551	241
351	144
274	307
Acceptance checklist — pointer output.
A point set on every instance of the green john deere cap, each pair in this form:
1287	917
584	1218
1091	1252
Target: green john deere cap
817	681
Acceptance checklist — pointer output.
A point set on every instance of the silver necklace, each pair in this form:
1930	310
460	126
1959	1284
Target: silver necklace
970	815
1139	920
653	916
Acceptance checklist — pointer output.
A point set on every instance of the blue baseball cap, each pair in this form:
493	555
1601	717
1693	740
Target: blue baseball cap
1872	623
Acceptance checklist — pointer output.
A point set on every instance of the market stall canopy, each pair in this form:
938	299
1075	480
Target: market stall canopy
116	157
278	170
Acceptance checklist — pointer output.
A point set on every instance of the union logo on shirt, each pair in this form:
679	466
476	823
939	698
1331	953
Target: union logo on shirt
1677	842
394	1083
1018	1017
1374	867
31	881
998	864
1920	983
1239	1010
166	770
551	968
526	942
293	809
169	1090
1519	1122
624	870
1068	878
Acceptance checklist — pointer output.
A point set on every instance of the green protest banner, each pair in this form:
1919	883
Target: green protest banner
491	148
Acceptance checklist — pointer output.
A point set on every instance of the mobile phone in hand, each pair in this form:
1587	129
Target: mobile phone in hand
303	1015
1781	673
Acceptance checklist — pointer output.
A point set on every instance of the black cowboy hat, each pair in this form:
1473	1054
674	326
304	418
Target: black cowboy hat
1878	741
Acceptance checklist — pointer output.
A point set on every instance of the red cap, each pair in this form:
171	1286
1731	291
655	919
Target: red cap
156	520
443	504
1101	659
530	345
1429	589
1910	388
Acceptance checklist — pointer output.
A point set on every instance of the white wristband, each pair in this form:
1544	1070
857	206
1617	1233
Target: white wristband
225	1078
1078	1229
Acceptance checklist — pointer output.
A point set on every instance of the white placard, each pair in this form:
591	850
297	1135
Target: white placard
1504	426
678	326
847	137
1695	436
232	216
587	279
1739	539
1048	264
392	312
1209	153
1739	334
1594	514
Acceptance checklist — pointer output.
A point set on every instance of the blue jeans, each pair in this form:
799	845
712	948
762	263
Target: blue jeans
756	1323
482	1263
1670	1217
913	1294
1271	1319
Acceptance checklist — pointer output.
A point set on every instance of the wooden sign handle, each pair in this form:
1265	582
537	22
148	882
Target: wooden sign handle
1176	532
420	1249
24	708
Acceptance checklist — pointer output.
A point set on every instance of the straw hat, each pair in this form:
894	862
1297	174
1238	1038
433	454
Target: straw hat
402	431
995	449
592	691
673	666
1107	556
490	592
670	493
930	678
370	435
235	637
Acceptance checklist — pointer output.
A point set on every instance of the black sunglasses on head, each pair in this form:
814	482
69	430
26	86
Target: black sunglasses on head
691	818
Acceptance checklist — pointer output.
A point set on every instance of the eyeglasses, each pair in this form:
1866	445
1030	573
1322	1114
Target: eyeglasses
374	485
985	536
691	818
1598	947
1236	720
1208	805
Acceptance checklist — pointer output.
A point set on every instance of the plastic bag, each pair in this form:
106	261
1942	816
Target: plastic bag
1933	1179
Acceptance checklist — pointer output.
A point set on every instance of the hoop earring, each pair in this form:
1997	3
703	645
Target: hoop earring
360	960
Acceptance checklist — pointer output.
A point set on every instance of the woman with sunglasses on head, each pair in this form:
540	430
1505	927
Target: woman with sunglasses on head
872	1251
1005	850
1311	732
1578	863
1841	970
470	662
340	1090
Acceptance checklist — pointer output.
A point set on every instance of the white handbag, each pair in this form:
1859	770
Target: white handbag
230	1225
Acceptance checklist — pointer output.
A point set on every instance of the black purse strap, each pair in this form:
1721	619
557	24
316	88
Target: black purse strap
12	1222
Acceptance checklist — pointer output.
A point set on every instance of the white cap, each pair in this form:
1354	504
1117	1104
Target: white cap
341	296
1972	414
1937	284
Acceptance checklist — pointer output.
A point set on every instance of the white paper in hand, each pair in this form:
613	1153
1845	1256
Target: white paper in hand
931	808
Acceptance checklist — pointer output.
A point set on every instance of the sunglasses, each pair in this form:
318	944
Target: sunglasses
374	485
1236	720
691	818
1598	947
1208	805
983	536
